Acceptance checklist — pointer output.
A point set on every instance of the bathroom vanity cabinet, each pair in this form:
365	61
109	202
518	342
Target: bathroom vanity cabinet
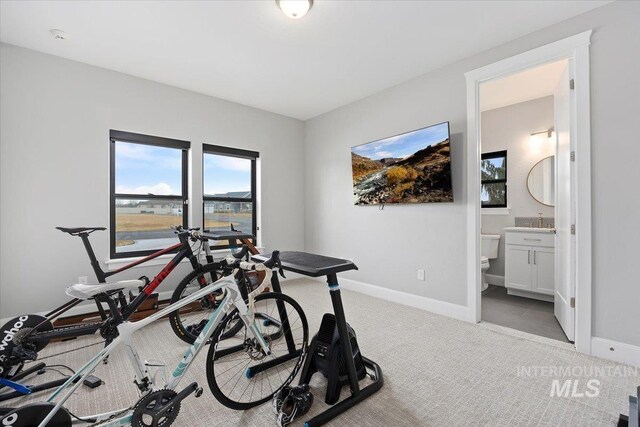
530	262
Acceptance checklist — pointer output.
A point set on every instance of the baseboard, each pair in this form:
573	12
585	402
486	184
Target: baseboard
494	279
623	353
530	295
448	309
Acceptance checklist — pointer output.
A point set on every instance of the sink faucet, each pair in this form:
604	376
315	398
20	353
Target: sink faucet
540	220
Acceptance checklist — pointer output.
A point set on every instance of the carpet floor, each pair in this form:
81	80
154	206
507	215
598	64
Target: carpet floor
437	372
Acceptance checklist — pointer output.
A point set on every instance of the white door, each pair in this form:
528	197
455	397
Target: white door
543	270
564	211
518	274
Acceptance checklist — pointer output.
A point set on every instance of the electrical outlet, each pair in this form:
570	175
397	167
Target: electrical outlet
82	280
420	274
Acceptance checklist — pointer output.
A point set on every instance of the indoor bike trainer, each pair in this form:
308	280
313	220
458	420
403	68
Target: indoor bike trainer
333	351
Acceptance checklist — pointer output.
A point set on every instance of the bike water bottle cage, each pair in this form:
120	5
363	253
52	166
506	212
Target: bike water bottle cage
291	402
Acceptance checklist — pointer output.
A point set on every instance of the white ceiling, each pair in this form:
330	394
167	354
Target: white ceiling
520	87
250	53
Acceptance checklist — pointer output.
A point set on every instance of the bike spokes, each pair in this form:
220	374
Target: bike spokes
241	375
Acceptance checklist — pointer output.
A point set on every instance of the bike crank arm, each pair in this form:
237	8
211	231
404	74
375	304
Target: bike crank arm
191	388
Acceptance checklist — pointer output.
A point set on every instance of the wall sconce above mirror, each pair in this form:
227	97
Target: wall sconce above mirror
548	132
541	181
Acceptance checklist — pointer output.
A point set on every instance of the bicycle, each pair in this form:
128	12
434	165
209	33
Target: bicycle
26	335
261	345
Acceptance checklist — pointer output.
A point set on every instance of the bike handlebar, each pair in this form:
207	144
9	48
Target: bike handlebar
267	268
237	262
268	265
274	260
241	253
180	229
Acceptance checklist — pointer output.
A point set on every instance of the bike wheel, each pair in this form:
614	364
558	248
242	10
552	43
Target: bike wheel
239	373
188	321
16	333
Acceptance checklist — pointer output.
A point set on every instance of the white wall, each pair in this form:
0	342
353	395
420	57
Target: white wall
54	148
509	128
55	116
390	245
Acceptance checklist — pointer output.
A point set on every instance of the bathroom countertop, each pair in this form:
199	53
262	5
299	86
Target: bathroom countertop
530	230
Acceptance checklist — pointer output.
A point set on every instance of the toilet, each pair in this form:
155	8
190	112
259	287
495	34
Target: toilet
489	252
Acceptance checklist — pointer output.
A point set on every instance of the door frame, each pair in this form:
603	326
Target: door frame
577	48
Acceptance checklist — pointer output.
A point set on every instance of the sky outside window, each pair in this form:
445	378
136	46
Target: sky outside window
224	174
147	169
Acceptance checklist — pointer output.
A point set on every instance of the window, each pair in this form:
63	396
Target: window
148	192
494	180
229	188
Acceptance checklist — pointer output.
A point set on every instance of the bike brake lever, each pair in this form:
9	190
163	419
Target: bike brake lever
280	269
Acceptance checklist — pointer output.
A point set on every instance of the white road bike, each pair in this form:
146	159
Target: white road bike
243	371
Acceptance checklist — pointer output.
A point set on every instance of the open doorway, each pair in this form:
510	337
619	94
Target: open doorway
525	187
572	272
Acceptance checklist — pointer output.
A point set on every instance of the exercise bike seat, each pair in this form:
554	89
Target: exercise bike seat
85	291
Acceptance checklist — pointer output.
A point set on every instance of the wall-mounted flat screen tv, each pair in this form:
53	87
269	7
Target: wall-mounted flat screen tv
413	167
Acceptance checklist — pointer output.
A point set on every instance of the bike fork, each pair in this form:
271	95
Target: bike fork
255	331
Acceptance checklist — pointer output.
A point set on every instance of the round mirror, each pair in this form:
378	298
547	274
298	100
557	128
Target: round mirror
541	181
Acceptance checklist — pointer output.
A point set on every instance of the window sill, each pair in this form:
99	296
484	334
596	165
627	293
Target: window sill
495	211
114	264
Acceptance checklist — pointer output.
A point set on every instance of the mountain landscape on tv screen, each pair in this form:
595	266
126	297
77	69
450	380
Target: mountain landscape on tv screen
390	171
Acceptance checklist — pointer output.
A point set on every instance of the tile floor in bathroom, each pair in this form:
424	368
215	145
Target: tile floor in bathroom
524	314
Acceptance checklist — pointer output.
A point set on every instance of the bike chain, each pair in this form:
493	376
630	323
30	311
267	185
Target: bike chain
64	352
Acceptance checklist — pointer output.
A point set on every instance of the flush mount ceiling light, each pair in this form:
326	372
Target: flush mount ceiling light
294	9
59	35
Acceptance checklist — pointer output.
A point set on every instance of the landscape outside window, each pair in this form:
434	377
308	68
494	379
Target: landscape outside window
494	179
228	183
148	196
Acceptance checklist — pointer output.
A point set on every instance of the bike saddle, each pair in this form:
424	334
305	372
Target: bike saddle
86	291
77	230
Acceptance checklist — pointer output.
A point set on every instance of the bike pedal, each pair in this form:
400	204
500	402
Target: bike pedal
198	392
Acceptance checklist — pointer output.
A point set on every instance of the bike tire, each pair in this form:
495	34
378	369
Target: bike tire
177	324
295	363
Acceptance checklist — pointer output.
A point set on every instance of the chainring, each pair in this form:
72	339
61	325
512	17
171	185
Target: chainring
143	411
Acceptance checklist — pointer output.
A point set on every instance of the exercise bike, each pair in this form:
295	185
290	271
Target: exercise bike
334	351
